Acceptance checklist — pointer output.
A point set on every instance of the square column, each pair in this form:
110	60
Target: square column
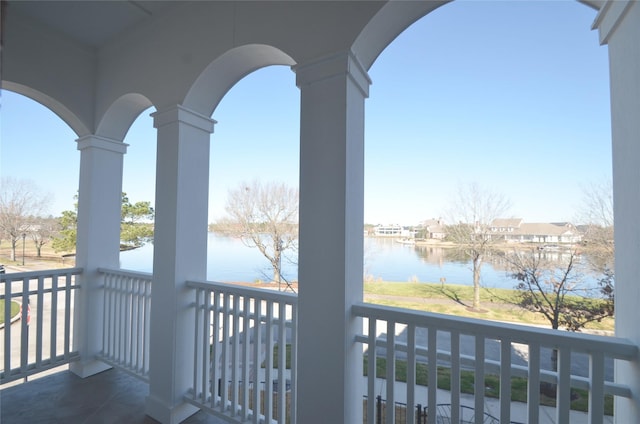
97	242
330	261
618	23
180	254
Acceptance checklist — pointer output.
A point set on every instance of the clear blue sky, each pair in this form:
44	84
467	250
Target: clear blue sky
502	93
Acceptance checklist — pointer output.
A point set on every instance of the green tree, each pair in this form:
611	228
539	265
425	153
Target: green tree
135	230
65	241
137	222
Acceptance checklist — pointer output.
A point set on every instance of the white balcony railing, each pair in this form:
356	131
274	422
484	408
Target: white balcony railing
40	337
245	353
127	305
486	348
246	343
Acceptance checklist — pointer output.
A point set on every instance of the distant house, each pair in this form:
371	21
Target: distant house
433	229
516	231
393	231
387	230
505	225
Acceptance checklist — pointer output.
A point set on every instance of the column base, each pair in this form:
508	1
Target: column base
159	411
88	368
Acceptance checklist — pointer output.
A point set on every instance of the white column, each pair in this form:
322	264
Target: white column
619	26
97	243
330	262
180	254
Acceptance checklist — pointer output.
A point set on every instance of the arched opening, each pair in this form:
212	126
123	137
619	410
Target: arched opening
248	144
514	96
256	140
139	185
38	149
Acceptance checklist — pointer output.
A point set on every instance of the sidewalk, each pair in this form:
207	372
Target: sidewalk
491	405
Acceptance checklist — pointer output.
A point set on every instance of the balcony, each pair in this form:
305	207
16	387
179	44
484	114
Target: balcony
203	346
239	333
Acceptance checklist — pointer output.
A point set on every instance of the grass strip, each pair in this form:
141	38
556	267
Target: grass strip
579	402
456	299
15	309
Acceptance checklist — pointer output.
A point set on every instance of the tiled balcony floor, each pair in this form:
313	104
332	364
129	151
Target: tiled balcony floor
109	397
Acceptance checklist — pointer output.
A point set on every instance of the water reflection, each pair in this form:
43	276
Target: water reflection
498	261
384	259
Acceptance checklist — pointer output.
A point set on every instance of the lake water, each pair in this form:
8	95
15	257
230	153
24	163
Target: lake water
230	260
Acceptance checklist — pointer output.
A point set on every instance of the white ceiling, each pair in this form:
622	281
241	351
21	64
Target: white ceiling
95	22
91	23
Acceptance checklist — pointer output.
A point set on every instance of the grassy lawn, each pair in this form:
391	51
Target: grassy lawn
15	308
454	299
48	255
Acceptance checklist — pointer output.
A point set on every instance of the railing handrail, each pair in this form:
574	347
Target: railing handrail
614	347
276	296
126	273
14	276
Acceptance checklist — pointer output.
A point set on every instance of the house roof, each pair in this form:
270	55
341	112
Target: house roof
546	229
506	222
433	221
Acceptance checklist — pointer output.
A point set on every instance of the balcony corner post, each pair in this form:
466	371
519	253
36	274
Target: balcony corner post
618	23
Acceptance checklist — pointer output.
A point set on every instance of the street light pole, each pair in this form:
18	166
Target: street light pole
24	235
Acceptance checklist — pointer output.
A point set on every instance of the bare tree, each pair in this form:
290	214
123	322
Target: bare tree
597	215
20	203
263	216
471	214
42	231
556	289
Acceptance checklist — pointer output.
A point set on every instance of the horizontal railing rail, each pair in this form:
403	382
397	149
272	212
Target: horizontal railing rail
40	336
457	343
244	335
127	307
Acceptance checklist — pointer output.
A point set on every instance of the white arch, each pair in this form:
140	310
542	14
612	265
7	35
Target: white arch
392	19
221	74
71	119
121	114
395	17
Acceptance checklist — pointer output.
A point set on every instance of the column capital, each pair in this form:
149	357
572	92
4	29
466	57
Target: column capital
179	113
103	143
609	17
343	63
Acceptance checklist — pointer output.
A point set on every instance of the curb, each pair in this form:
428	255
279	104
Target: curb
15	318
